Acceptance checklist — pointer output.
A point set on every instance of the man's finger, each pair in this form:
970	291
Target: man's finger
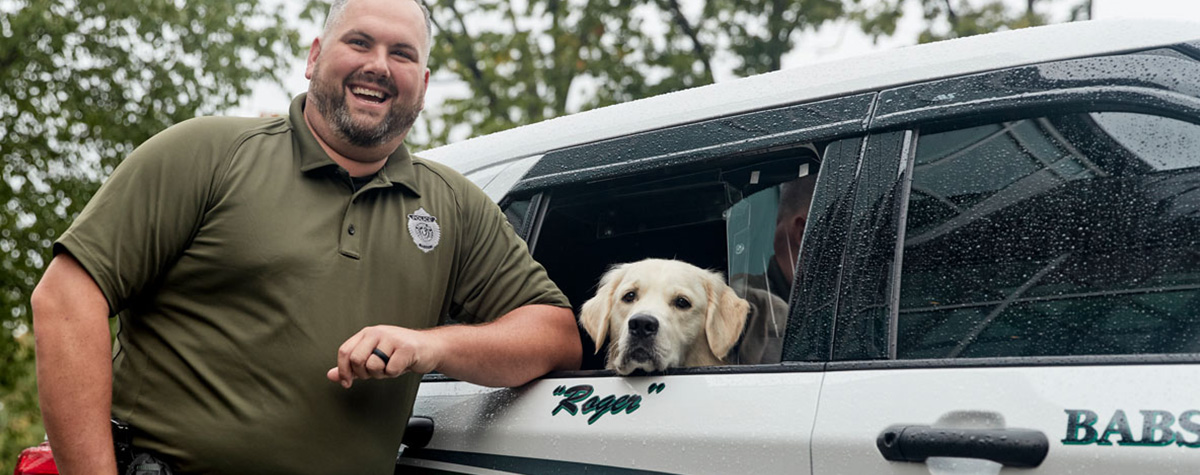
376	364
360	355
380	361
383	356
344	374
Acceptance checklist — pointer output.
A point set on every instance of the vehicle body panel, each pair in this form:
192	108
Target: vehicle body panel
858	405
686	423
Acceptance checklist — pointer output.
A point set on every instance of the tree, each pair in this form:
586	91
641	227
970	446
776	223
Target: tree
948	19
523	62
82	82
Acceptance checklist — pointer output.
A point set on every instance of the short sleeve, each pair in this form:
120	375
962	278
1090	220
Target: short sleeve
497	274
147	211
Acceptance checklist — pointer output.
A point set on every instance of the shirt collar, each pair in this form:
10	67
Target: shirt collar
397	170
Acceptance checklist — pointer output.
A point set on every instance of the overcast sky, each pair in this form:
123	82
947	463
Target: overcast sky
831	42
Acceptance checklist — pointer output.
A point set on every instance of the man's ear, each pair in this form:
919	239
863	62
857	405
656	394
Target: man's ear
796	231
726	316
595	314
313	52
426	88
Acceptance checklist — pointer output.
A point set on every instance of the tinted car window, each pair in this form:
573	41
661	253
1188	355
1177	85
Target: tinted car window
1065	235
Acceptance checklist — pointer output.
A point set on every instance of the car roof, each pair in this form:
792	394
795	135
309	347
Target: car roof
870	72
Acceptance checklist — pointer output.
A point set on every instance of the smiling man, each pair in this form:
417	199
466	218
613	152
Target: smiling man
281	283
368	79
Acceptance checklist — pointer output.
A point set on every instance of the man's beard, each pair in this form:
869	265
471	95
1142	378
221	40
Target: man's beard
330	100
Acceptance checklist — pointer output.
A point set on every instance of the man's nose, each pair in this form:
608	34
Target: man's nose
377	64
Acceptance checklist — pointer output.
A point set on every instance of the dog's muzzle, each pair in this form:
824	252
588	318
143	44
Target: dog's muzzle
642	330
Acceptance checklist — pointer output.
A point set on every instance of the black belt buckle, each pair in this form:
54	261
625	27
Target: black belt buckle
122	443
131	461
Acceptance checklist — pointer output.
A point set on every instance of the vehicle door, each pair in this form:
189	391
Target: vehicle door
706	193
1023	292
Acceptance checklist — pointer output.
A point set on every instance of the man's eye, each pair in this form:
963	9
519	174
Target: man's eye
629	297
682	303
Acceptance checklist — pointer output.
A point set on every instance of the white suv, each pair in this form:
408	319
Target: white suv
1000	270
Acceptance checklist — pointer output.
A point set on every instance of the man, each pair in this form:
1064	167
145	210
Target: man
768	294
260	268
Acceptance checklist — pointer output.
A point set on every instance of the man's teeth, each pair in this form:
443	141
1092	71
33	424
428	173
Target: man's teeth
367	92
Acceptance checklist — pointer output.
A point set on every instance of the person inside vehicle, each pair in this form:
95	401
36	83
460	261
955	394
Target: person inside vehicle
767	293
279	281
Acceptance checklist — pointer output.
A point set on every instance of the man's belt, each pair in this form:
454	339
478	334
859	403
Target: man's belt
131	460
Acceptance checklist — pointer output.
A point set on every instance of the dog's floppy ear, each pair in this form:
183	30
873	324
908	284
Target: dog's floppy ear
726	316
594	315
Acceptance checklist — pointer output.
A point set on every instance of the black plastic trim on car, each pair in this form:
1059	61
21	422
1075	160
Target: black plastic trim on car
1191	49
1021	448
1016	361
443	461
1051	88
814	297
700	141
1169	104
815	367
419	432
863	311
785	367
538	205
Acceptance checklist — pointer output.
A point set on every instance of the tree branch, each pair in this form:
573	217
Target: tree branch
566	57
480	84
532	107
951	16
686	26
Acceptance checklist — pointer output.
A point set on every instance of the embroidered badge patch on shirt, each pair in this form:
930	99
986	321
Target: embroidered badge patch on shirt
424	230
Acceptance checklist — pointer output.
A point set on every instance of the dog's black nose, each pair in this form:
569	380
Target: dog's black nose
643	326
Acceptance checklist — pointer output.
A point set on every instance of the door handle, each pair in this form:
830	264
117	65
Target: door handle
1009	447
418	433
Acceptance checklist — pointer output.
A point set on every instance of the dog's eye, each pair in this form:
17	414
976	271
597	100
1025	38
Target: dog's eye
682	303
629	297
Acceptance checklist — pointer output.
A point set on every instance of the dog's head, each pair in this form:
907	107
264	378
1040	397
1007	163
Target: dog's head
663	313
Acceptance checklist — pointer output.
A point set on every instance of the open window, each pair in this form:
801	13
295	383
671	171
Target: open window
718	216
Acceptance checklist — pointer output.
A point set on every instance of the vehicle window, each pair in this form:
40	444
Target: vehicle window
673	214
516	212
764	235
521	214
1066	235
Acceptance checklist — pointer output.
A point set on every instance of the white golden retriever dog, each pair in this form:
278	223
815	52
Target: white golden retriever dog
662	314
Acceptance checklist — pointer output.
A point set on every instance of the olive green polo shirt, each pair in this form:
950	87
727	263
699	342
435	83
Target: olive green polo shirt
239	258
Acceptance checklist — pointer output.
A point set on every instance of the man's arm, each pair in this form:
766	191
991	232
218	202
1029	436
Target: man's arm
74	367
525	343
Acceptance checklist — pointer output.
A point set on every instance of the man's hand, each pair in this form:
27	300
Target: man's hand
510	351
408	351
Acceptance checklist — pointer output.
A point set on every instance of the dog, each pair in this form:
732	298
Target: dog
663	314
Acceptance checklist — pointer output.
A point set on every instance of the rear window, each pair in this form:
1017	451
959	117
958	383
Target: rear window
1064	235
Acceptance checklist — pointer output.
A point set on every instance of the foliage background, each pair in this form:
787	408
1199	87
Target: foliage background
82	82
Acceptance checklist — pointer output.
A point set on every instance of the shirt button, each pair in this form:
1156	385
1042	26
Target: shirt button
350	230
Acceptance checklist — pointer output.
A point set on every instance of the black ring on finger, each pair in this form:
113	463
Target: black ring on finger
383	356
